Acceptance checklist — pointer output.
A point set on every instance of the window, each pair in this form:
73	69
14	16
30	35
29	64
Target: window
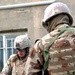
6	49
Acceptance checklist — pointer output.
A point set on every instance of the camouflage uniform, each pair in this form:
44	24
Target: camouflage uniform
14	65
62	52
61	59
34	63
17	62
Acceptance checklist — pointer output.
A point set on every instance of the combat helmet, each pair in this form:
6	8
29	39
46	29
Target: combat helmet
21	42
56	9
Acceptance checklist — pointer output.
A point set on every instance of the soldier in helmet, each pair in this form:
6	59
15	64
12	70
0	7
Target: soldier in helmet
16	63
57	48
58	22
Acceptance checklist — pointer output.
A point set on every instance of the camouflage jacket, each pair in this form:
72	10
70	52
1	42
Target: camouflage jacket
14	66
61	52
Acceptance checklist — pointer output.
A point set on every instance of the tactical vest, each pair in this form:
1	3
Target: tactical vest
61	50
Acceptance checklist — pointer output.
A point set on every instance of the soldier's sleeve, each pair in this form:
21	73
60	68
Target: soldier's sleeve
7	68
35	60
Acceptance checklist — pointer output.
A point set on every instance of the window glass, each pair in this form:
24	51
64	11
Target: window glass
9	43
14	51
1	44
9	52
1	59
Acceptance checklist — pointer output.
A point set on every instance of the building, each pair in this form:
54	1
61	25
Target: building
20	17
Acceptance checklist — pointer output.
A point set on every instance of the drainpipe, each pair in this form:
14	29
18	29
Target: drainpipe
26	4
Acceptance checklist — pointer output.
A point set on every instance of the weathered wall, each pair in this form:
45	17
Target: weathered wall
27	17
8	2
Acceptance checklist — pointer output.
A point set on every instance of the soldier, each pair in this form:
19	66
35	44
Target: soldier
58	46
16	63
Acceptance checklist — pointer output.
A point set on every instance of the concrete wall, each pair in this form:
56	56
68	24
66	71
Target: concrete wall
26	17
